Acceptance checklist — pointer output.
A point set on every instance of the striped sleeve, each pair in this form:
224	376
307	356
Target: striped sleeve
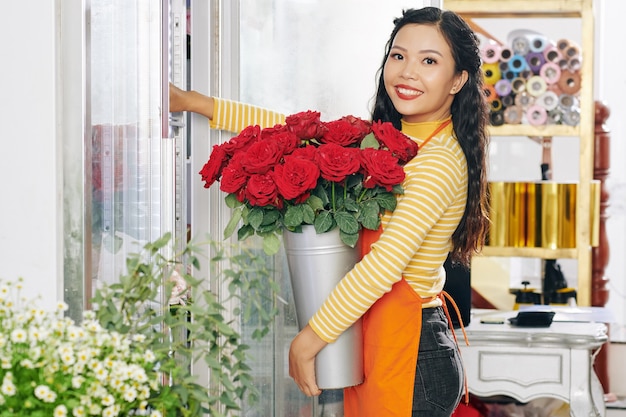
234	116
414	244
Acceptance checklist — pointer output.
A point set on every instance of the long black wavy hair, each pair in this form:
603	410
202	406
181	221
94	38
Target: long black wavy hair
469	117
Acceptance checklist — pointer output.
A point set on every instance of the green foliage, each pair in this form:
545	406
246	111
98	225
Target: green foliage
198	330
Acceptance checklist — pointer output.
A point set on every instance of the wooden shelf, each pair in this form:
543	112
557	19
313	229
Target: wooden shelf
539	9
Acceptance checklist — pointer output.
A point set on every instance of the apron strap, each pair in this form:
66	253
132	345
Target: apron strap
445	298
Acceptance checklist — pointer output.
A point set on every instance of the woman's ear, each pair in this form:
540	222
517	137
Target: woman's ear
460	81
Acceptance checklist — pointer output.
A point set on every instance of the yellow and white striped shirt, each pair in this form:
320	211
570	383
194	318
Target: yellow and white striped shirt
416	238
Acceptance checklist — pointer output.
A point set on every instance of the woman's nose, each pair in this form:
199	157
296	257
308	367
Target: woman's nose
410	71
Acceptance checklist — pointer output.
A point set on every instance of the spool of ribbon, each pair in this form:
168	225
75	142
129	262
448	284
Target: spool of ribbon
490	92
520	45
562	45
555	117
574	64
550	72
503	87
552	54
508	101
571	117
536	86
548	100
572	51
496	104
513	115
569	82
524	100
518	85
509	75
490	53
567	102
492	73
537	43
506	53
496	118
536	115
517	63
535	61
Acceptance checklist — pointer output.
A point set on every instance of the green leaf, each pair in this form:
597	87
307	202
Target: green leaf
294	216
315	203
232	224
324	222
387	201
349	239
255	217
231	201
347	222
271	244
370	141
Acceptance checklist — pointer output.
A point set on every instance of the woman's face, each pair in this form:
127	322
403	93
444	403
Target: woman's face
419	74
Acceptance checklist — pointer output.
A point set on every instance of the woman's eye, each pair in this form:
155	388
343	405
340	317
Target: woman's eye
398	57
429	61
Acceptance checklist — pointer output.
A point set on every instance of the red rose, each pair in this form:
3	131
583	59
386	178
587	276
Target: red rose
233	177
343	133
309	152
212	169
245	138
381	168
337	162
400	145
260	157
296	177
261	190
306	125
363	126
287	140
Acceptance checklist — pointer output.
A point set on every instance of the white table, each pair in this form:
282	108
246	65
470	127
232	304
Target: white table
526	363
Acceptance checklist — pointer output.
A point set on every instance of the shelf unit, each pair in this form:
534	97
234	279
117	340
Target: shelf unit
582	10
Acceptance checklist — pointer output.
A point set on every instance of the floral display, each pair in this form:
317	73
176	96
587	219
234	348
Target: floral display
339	174
51	366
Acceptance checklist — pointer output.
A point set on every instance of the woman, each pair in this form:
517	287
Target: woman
430	87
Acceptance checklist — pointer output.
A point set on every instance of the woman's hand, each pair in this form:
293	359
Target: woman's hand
304	348
181	100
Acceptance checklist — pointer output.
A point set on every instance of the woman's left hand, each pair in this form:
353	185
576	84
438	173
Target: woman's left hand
304	348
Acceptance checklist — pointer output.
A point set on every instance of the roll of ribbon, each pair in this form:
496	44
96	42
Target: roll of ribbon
562	45
555	117
569	82
563	64
536	115
574	64
503	87
490	52
509	75
508	101
496	118
517	63
548	100
552	54
513	115
518	85
490	92
550	72
492	73
571	117
496	104
526	74
537	43
535	61
572	51
536	86
567	102
504	66
520	45
506	53
524	100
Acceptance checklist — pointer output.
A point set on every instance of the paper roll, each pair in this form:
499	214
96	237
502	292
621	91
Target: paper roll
536	86
492	73
536	115
503	88
490	53
513	115
548	100
550	72
569	82
535	61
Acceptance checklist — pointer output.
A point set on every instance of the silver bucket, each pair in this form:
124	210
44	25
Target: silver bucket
317	262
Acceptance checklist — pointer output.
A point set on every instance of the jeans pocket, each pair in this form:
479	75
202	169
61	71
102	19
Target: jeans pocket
439	382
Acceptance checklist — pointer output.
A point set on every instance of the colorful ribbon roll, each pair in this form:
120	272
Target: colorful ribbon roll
524	100
490	53
492	73
537	43
513	115
536	86
503	87
520	45
550	72
517	63
518	85
571	117
508	100
535	61
567	102
548	100
536	115
552	54
496	104
490	92
506	53
569	82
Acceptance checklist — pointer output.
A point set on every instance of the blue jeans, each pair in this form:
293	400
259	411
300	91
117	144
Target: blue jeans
439	376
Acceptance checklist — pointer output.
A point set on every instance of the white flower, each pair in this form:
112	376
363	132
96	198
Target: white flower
45	394
149	356
156	413
8	388
19	336
79	411
130	395
61	306
111	411
108	400
60	411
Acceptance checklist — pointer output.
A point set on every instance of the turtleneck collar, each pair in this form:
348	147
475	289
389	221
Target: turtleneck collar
421	130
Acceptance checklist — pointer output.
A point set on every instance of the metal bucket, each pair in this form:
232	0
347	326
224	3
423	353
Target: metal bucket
317	262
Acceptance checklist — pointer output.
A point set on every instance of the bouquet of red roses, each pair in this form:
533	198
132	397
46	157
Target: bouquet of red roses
344	173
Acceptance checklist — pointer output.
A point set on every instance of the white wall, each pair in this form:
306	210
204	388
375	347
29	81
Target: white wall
30	179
